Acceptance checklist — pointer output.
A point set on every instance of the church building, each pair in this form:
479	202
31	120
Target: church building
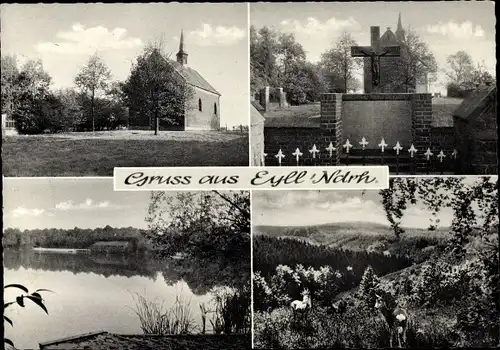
393	77
203	111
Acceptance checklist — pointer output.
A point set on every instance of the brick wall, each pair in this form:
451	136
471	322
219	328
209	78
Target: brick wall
408	116
421	126
288	139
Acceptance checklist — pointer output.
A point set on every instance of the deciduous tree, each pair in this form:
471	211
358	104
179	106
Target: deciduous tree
416	61
93	78
339	67
156	91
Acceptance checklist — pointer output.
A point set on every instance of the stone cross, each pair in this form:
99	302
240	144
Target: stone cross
441	155
383	145
297	155
428	154
280	156
374	52
330	149
397	148
363	143
347	146
314	150
412	150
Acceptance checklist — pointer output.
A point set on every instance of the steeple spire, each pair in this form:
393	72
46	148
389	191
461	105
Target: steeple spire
400	32
182	54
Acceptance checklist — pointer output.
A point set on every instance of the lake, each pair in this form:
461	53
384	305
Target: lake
94	293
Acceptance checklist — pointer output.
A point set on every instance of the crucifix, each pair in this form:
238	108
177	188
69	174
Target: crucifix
374	52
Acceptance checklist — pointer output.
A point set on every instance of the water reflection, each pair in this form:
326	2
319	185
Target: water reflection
96	292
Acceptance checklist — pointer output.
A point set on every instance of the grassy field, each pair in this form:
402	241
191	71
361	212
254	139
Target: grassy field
307	115
298	116
96	154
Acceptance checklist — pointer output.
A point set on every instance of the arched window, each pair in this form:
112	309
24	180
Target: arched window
215	108
200	107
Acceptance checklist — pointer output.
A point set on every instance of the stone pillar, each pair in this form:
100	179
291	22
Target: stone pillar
264	98
375	37
282	98
421	128
331	124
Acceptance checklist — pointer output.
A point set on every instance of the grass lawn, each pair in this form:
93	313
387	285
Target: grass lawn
96	154
307	115
299	116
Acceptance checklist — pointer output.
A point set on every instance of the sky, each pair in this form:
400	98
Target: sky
303	208
446	26
64	37
40	203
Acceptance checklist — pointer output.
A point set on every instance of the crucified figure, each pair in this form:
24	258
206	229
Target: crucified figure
375	65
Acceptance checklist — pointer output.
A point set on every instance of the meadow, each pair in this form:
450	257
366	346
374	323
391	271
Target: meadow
96	154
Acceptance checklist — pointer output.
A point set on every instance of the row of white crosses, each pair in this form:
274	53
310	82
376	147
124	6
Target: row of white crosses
347	146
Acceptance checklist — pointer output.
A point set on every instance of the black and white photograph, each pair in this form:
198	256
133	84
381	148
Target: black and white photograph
410	85
89	87
86	267
415	265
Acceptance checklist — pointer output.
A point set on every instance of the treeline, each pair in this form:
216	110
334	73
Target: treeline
154	92
270	252
107	266
278	60
75	238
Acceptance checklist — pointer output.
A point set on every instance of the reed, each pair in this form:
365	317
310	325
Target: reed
156	318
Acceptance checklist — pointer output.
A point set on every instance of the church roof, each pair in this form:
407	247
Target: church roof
193	77
388	38
476	101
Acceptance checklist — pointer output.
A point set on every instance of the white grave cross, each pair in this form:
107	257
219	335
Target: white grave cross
314	150
382	145
441	155
330	149
428	154
412	150
297	154
347	146
454	154
280	156
397	148
363	143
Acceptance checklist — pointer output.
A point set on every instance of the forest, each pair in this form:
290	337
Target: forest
75	238
448	287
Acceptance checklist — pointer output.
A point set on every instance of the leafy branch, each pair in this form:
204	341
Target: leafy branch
35	297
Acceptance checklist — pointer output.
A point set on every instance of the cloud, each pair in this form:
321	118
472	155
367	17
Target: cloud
220	36
313	26
88	204
464	30
81	40
20	211
288	199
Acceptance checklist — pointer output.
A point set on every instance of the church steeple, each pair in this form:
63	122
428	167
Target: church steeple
400	32
182	54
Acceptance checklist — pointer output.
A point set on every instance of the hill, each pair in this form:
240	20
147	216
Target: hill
352	235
